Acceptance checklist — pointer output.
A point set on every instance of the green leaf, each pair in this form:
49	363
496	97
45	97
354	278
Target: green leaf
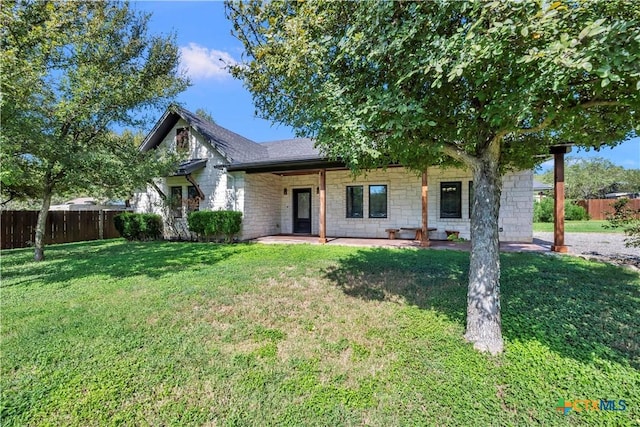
583	33
604	82
587	66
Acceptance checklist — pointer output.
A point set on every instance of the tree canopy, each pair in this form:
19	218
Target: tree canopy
594	178
487	85
71	73
407	81
205	114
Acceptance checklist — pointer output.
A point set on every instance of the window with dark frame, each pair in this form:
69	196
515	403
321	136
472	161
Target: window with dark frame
175	201
182	138
451	199
355	203
377	201
193	200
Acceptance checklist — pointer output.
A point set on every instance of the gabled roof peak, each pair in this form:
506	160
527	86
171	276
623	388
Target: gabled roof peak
236	148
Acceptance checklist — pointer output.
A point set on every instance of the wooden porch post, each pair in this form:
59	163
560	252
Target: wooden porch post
323	206
425	193
558	152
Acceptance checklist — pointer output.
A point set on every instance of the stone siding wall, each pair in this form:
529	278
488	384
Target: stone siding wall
516	207
405	204
261	195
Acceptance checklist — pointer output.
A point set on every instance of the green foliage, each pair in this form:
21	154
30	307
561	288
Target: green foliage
205	115
455	238
138	226
215	223
488	85
574	212
626	218
543	211
71	72
172	333
594	178
231	223
202	223
411	81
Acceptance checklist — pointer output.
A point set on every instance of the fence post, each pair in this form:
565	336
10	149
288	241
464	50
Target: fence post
101	224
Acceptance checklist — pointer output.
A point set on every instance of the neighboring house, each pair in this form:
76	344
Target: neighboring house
89	204
540	190
627	195
279	187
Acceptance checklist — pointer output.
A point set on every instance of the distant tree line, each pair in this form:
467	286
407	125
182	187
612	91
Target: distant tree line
594	178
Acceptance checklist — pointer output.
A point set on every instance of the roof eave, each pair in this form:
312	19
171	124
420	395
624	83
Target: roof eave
284	165
190	167
154	138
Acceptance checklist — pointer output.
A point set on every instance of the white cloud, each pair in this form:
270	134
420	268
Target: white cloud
200	62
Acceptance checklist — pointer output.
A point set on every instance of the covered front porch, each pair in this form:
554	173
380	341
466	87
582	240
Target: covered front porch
330	202
380	204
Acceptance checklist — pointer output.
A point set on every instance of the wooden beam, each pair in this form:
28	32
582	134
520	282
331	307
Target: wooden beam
558	204
323	206
158	190
195	184
424	241
560	149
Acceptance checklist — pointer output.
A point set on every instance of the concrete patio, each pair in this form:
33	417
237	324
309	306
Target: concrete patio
397	243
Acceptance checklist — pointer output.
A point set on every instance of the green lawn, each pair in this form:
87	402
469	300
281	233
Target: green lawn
592	226
116	333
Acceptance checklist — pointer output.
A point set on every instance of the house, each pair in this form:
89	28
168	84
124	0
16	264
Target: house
540	189
621	195
288	187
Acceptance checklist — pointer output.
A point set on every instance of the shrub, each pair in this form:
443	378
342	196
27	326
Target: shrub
627	218
203	223
135	226
574	212
543	211
215	224
231	222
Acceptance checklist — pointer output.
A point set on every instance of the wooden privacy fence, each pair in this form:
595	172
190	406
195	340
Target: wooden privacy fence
598	208
19	227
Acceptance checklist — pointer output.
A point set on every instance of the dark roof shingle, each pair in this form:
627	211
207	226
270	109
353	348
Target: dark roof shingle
292	149
236	148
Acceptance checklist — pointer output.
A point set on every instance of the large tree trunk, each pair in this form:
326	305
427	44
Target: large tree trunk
38	254
484	328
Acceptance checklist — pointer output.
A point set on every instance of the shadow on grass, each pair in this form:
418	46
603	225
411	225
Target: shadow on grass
583	310
114	258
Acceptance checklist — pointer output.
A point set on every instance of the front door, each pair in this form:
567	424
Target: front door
302	210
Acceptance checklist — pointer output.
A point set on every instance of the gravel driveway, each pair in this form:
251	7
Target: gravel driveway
608	246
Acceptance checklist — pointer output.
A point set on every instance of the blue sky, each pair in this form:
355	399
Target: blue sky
204	37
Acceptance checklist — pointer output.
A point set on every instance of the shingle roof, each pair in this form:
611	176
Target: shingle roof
236	148
190	166
540	186
292	149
